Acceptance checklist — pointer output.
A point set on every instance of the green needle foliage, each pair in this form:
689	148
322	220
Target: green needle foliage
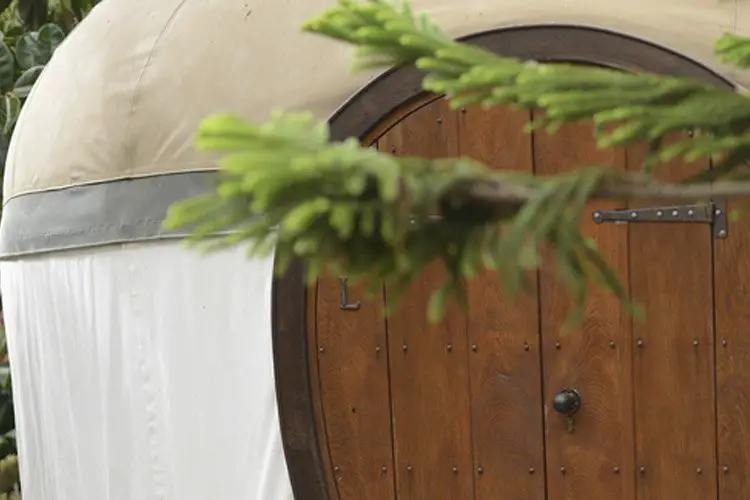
285	187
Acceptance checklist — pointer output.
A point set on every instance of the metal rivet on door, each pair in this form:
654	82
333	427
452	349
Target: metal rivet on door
699	471
531	470
526	347
321	349
616	469
449	347
474	347
642	469
639	343
562	470
695	343
455	469
404	347
725	469
612	344
384	469
557	345
480	470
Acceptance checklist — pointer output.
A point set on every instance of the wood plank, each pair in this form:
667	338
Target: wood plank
596	460
315	389
505	363
671	276
353	370
429	374
732	296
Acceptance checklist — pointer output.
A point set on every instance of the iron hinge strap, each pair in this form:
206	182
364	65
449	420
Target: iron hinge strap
713	213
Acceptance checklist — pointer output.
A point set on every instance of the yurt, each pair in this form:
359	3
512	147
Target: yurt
143	370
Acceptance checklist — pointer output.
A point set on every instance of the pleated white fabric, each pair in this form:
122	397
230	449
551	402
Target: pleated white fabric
144	372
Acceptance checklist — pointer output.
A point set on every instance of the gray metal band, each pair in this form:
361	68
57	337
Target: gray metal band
97	214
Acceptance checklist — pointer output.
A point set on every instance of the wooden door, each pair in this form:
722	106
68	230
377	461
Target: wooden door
463	409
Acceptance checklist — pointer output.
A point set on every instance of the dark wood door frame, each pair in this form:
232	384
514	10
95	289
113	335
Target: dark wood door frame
358	118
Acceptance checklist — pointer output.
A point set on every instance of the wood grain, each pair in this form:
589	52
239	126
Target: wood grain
430	381
596	460
503	332
732	296
353	370
315	388
671	276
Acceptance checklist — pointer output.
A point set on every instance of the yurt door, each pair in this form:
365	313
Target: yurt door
499	403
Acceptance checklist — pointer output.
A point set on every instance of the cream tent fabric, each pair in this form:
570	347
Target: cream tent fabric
123	95
142	370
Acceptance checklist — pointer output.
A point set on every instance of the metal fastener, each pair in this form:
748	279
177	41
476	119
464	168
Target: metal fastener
474	347
531	470
633	215
691	213
562	470
724	342
408	468
642	469
616	469
717	211
675	213
557	345
695	343
612	344
440	120
480	470
659	213
321	349
463	109
377	348
336	469
699	471
526	347
383	469
455	469
725	469
639	343
404	347
723	233
449	347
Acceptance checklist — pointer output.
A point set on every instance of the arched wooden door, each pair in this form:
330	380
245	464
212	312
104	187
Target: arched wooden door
464	410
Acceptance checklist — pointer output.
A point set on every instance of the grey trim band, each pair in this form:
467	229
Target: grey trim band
96	214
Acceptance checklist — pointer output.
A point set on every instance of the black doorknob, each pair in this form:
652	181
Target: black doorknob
567	402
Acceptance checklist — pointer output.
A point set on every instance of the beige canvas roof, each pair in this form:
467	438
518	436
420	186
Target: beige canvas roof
123	95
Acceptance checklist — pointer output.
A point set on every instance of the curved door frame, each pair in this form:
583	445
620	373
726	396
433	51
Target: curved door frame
358	118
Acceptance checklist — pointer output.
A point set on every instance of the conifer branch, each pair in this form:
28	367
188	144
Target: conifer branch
626	108
285	188
365	214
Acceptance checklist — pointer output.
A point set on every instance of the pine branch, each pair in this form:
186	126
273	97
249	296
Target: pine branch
364	214
367	214
627	108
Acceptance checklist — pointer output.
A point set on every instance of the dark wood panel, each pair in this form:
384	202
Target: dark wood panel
671	276
503	332
596	460
430	382
315	388
353	366
732	294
